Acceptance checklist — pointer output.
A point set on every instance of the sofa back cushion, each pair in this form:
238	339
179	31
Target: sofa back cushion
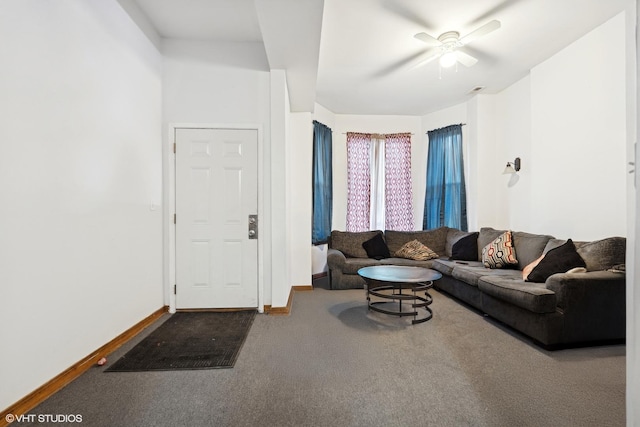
598	255
529	247
466	248
453	236
603	254
350	242
435	239
486	236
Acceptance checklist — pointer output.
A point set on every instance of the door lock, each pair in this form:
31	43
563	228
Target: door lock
253	226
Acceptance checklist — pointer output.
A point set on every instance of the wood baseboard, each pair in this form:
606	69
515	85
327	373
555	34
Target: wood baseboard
285	311
43	392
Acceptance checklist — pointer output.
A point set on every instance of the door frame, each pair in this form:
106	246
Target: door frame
170	205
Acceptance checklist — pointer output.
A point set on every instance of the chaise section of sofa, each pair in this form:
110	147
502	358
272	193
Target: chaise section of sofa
567	309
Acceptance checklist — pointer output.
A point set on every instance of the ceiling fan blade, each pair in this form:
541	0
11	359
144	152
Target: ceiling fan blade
465	59
426	38
484	30
427	57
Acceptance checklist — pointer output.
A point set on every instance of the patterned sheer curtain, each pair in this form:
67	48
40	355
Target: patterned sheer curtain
445	199
398	191
358	181
379	192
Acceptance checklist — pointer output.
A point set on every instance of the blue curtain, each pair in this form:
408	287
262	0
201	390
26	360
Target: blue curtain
445	201
322	183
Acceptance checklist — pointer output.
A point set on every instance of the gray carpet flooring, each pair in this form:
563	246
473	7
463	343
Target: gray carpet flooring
333	363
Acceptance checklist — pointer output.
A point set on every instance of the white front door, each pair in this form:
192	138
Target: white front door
216	192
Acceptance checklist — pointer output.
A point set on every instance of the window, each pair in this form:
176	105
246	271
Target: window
379	192
445	201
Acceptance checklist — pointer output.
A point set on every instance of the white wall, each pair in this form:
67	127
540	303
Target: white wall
217	83
80	183
280	190
300	197
578	109
513	139
486	170
376	124
567	121
633	254
324	116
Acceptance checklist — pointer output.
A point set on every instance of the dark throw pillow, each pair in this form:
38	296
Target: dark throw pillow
466	249
376	247
557	260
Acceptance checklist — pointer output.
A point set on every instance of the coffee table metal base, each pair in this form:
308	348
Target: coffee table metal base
392	293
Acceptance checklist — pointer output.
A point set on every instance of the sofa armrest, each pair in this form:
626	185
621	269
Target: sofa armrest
593	304
575	288
336	259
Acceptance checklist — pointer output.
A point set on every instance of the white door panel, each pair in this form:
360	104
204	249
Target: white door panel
216	191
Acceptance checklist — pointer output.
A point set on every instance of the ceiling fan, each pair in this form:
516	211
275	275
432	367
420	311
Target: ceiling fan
447	46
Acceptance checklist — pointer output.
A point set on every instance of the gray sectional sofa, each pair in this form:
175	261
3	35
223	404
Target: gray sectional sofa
573	308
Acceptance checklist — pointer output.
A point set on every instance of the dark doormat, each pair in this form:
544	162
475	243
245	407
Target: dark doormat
190	340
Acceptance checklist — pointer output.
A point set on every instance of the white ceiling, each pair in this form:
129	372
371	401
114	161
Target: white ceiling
353	56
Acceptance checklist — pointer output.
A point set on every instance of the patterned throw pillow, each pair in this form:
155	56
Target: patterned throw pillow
500	253
416	251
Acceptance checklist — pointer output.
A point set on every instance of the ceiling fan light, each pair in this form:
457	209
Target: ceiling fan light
448	59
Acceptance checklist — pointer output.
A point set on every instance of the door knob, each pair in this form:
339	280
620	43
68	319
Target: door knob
253	226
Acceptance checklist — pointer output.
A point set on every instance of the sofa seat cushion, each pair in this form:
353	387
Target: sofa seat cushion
534	297
352	265
443	265
473	271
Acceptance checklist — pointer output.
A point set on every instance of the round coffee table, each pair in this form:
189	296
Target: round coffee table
387	282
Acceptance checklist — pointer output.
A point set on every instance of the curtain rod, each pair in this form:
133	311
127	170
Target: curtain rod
444	127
